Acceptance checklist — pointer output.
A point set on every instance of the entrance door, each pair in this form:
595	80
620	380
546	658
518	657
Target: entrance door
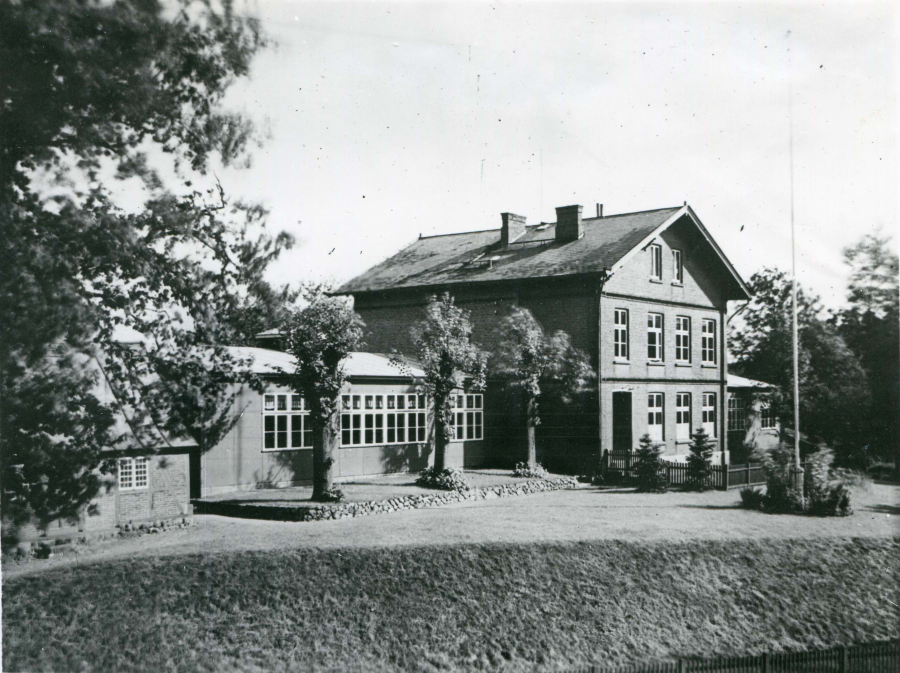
621	422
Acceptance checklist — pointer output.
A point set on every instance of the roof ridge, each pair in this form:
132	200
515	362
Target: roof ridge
458	233
636	212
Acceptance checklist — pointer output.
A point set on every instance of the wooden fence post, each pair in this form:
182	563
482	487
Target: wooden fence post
844	664
765	662
679	666
748	472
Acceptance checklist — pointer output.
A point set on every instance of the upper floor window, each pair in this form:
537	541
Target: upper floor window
374	420
468	416
621	333
655	336
709	413
286	423
682	339
133	474
656	262
655	417
683	416
677	268
737	413
709	342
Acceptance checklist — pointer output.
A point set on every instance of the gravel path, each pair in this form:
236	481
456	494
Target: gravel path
562	516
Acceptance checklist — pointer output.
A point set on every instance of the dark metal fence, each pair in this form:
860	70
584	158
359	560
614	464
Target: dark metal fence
868	658
623	464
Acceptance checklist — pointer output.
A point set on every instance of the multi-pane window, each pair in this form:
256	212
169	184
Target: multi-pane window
621	333
708	344
677	268
468	417
133	474
682	339
654	336
767	416
374	420
286	423
655	416
709	413
656	261
737	413
683	416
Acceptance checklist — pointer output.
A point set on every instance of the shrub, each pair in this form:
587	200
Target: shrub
698	467
448	479
649	467
535	471
751	498
334	495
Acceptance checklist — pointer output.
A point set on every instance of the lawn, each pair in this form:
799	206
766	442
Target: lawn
476	606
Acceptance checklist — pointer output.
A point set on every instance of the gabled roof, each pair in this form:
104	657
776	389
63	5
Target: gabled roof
479	257
357	365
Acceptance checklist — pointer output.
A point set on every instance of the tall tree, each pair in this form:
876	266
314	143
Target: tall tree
870	325
93	92
320	336
538	365
834	396
450	361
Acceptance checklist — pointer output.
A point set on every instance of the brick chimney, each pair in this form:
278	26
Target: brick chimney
513	228
568	224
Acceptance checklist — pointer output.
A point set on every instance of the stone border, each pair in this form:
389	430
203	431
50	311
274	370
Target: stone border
345	510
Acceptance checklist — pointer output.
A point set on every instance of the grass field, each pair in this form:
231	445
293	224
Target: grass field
487	606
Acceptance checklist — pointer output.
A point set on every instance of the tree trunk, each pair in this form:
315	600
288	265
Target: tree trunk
323	451
530	416
440	441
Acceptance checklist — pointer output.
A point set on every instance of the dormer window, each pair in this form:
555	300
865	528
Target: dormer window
677	268
656	262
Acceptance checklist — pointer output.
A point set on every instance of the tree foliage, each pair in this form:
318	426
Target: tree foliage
320	336
834	394
93	93
649	467
536	364
698	461
450	360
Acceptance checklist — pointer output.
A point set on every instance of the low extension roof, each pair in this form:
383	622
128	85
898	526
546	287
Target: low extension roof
478	256
735	381
357	365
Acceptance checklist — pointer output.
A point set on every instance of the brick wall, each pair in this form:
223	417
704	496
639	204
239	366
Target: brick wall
167	495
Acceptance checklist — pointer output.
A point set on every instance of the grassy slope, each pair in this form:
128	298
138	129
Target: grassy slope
501	606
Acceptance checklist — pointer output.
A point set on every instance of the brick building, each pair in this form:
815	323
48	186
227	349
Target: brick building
644	294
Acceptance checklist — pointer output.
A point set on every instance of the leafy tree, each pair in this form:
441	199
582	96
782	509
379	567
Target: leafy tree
320	336
834	395
870	325
450	360
698	461
93	93
537	364
649	467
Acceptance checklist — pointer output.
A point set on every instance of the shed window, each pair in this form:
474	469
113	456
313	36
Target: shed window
468	417
286	423
133	474
376	420
737	413
767	416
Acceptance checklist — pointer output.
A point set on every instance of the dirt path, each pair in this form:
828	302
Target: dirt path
563	516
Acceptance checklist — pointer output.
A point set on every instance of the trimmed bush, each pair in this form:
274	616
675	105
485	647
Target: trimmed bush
698	462
531	472
651	476
448	479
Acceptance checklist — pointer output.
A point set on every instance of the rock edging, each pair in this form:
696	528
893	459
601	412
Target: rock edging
345	510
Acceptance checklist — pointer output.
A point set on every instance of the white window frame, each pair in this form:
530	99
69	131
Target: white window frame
708	342
709	414
655	262
657	330
682	339
382	419
285	415
767	418
620	333
129	473
468	417
656	411
682	416
677	268
737	413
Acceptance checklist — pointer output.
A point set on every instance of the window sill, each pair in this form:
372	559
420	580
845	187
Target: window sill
682	442
707	365
656	364
131	489
656	280
683	364
621	362
294	448
677	284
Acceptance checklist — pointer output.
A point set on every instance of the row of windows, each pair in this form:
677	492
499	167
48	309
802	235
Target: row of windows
656	342
683	412
656	265
285	428
133	474
739	418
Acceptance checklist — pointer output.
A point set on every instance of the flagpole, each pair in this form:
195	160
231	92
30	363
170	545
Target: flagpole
797	473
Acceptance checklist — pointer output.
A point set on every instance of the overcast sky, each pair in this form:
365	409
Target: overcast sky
389	120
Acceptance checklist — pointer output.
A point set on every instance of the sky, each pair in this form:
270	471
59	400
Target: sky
391	120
